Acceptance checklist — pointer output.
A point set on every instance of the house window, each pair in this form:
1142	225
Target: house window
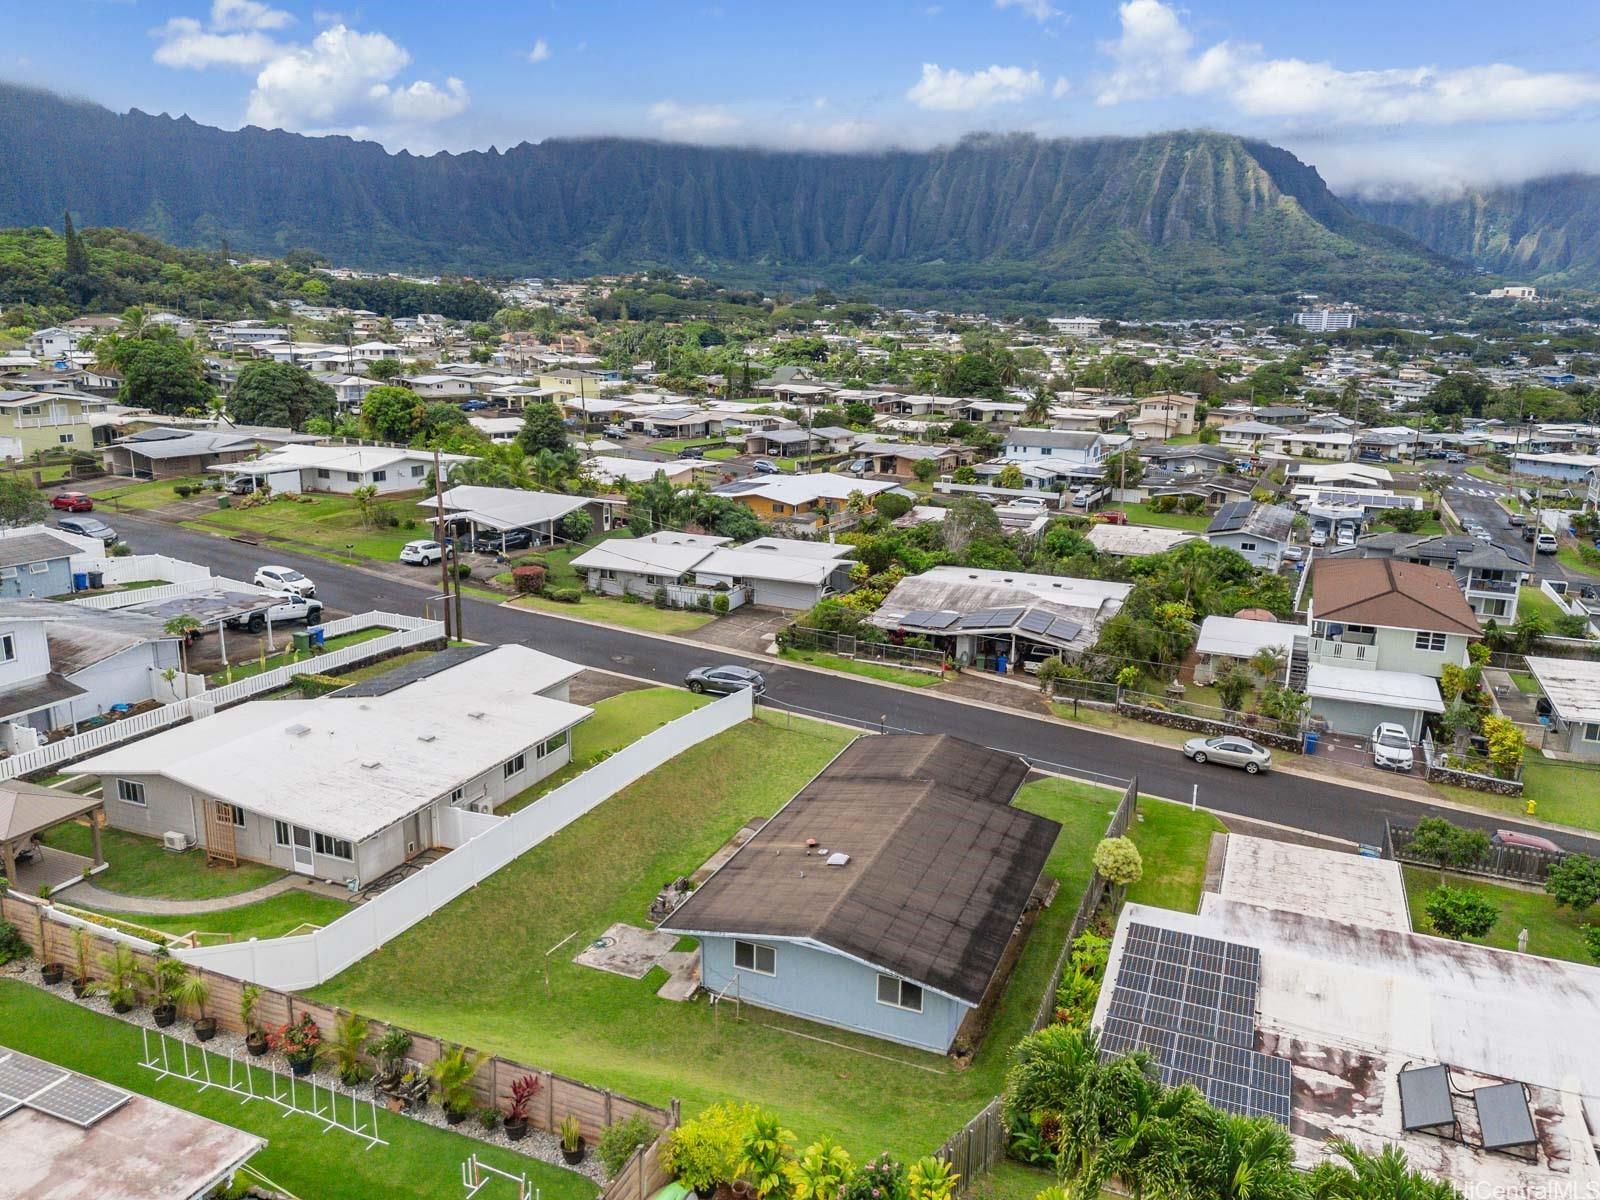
352	476
39	568
8	647
379	476
753	956
1433	642
130	792
8	572
607	573
64	439
280	833
417	471
899	993
1591	732
554	744
516	765
324	473
331	847
1247	547
231	813
778	510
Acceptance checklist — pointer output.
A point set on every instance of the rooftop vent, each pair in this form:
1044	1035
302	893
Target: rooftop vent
371	765
298	730
837	860
477	716
426	737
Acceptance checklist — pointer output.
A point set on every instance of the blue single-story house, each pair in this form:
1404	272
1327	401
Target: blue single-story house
35	564
883	897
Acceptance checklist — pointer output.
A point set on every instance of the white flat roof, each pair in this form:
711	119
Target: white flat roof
805	489
636	470
1241	639
800	547
337	458
737	562
1395	689
1304	879
1571	685
508	508
1135	540
642	556
351	766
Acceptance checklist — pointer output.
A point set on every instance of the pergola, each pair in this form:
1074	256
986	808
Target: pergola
27	809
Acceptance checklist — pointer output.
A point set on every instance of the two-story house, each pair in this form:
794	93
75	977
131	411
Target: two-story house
1382	632
1490	578
55	342
41	421
1062	446
1162	417
1247	435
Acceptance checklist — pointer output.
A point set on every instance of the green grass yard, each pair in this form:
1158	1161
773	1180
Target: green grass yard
473	972
1143	514
1553	931
1571	557
156	493
420	1161
618	721
1565	793
270	662
869	670
323	524
1530	600
273	917
613	610
140	867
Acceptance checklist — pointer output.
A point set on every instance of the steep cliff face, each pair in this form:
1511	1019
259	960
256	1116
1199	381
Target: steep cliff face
1541	231
1167	217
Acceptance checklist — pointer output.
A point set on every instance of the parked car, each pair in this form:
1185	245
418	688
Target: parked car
766	467
859	466
1036	503
1545	543
1293	553
1455	456
619	432
1516	520
1230	751
284	579
1529	532
71	502
1391	747
1482	534
692	452
474	405
493	543
92	527
724	679
423	553
1525	841
288	609
1111	517
1319	537
1345	537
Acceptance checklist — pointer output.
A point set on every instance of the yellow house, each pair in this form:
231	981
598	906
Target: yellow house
788	497
45	421
1161	417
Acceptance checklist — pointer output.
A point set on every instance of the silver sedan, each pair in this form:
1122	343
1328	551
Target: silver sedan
1231	751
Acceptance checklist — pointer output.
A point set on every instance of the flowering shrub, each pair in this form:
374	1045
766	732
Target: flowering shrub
298	1042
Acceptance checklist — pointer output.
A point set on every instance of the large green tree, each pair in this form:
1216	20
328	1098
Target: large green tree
271	393
392	414
20	502
542	428
161	372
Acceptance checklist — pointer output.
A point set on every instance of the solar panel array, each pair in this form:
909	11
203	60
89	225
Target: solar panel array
28	1083
1037	621
1190	1003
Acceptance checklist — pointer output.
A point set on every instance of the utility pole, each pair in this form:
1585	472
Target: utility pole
446	563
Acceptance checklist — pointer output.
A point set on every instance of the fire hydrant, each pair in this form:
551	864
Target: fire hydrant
1530	806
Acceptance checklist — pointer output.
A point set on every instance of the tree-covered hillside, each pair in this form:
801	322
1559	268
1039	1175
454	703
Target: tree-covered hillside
1161	225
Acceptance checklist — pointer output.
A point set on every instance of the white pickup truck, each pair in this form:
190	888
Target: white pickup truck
287	609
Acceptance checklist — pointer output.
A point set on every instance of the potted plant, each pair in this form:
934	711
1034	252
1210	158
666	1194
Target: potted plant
299	1043
80	962
192	991
349	1043
53	973
488	1117
254	1040
452	1074
163	978
572	1144
121	982
523	1092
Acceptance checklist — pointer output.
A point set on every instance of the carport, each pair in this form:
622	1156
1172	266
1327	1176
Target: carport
1355	701
27	810
213	606
489	512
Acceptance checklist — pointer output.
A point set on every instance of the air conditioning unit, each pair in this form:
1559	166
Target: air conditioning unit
173	840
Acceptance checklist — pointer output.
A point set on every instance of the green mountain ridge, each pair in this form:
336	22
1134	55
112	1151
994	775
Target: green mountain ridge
1171	224
1540	231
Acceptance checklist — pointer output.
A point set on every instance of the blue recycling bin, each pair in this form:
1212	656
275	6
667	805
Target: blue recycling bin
80	581
1000	664
1311	741
319	637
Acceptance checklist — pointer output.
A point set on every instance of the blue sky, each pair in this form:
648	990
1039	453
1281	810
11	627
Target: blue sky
1401	94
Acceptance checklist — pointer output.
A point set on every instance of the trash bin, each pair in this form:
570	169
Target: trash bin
1311	741
1000	664
224	501
80	581
302	641
97	579
319	637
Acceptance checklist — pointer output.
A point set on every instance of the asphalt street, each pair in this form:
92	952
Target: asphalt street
1328	808
1476	500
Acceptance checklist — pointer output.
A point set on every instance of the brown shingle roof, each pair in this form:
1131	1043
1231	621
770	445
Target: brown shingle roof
940	866
1400	595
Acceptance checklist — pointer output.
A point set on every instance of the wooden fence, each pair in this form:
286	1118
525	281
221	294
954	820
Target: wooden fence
642	1176
974	1149
1524	864
51	936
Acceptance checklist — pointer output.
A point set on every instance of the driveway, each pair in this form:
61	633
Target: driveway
749	630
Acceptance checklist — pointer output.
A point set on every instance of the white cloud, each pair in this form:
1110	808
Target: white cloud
341	81
1060	88
1039	10
956	90
692	122
1155	56
229	15
540	52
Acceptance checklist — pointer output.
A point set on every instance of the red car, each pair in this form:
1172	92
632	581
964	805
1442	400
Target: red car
72	502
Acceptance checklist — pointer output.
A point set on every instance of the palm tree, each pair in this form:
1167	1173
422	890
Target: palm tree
1358	1175
1143	1152
1235	1158
1267	662
1037	411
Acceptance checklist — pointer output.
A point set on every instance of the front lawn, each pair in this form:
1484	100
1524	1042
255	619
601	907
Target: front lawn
271	662
1115	722
324	524
869	670
618	721
301	1155
273	917
155	493
1531	600
613	610
1143	514
1570	555
1565	793
474	971
1553	931
139	866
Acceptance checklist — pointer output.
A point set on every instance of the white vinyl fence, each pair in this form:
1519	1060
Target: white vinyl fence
302	962
408	632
